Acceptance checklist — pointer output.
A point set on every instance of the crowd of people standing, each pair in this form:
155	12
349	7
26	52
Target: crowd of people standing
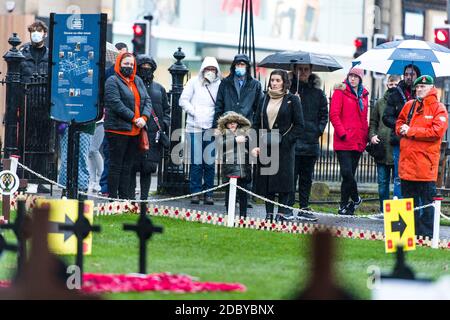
404	133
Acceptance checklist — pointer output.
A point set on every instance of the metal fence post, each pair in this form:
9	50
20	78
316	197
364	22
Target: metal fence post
232	202
14	95
437	221
173	181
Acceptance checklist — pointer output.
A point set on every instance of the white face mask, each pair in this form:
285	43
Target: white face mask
210	76
37	36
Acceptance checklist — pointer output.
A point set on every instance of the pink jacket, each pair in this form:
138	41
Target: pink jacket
351	126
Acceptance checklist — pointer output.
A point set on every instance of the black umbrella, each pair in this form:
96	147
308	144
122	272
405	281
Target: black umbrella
286	59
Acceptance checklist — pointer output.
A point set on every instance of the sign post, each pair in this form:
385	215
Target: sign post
399	224
77	60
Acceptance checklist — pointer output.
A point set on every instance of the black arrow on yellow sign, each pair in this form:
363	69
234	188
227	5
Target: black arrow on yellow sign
398	226
54	227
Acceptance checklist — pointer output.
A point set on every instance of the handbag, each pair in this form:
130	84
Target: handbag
377	151
161	136
144	144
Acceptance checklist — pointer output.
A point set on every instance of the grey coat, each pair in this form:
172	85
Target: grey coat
119	103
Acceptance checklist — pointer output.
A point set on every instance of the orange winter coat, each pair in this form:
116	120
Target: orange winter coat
420	148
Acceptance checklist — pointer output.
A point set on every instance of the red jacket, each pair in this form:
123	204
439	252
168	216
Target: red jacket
420	148
351	125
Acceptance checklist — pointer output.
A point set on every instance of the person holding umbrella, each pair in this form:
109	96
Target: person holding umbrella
348	115
395	101
307	85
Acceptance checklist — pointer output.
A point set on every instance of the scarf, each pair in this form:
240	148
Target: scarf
276	99
358	95
276	94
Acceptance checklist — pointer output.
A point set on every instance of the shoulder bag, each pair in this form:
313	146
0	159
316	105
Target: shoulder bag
161	136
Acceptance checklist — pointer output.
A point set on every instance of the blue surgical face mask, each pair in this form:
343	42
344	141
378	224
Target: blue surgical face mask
240	72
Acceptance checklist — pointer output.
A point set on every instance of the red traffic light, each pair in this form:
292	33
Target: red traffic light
358	43
138	30
442	36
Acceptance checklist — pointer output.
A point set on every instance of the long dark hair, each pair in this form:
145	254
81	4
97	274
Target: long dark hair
284	76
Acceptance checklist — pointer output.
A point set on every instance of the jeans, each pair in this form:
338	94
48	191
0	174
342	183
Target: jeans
303	173
123	150
397	182
104	178
95	158
83	172
348	162
384	179
202	155
423	193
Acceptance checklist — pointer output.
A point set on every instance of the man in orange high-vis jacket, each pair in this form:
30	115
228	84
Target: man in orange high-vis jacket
421	125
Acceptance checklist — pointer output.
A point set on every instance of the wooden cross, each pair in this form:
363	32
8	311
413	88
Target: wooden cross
18	228
4	246
144	230
81	229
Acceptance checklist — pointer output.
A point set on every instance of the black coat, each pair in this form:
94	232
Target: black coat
119	103
394	105
244	103
30	65
315	113
290	113
161	107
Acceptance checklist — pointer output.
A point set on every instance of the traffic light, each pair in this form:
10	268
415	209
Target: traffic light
379	38
360	45
442	36
139	38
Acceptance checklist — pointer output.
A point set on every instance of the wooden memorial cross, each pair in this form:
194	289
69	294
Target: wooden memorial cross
144	230
18	228
81	229
6	204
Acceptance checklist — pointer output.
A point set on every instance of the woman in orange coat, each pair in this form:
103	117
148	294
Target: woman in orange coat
128	107
421	124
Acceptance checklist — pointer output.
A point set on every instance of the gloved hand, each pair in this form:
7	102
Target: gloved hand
62	127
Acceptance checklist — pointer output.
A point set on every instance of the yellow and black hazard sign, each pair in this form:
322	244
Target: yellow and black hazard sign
399	224
66	212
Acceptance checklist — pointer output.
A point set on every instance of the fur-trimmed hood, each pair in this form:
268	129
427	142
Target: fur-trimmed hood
314	81
231	116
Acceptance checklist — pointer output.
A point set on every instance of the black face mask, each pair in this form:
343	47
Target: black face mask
126	71
146	73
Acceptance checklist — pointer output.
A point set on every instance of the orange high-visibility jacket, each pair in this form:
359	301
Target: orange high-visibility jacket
420	148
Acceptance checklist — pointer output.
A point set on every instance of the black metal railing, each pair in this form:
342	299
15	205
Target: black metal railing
37	131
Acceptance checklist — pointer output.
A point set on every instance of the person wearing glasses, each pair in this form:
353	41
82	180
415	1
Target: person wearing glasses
380	136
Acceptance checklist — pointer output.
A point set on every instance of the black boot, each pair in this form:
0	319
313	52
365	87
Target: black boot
269	217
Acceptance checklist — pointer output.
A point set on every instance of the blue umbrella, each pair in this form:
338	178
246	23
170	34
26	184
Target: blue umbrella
392	57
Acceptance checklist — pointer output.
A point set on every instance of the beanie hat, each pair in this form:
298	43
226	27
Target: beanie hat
356	71
425	79
241	57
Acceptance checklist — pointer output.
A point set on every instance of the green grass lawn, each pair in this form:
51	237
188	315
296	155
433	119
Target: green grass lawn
271	265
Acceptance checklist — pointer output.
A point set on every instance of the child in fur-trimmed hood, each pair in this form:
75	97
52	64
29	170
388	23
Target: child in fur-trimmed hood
234	128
